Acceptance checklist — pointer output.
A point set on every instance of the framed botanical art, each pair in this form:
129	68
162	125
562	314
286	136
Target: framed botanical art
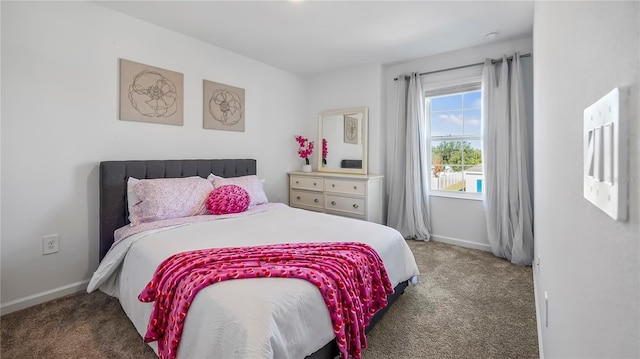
150	94
350	130
223	107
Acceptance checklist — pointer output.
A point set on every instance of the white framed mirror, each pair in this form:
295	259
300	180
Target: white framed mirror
345	133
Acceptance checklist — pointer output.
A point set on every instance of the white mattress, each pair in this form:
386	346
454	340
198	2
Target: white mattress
248	318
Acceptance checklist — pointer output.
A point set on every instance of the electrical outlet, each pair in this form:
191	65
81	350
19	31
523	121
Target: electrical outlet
50	244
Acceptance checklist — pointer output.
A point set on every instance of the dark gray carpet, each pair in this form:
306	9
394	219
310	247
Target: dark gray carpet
469	304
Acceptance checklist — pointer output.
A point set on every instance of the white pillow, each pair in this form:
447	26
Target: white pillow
252	184
166	198
132	198
211	176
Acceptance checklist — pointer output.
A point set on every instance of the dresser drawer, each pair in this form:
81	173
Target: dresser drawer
346	204
355	196
310	183
307	199
345	186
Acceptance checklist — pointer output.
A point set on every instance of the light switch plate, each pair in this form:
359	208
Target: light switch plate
605	154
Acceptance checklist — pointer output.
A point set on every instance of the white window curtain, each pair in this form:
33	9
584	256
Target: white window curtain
507	200
407	166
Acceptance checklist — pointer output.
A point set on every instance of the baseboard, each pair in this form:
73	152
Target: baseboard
538	317
42	297
461	242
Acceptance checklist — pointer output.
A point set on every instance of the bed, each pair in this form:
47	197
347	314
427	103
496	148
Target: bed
259	317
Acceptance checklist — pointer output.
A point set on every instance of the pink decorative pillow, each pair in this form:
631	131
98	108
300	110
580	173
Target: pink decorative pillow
166	198
252	184
228	199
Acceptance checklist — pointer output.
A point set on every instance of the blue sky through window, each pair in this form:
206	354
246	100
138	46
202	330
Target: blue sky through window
456	115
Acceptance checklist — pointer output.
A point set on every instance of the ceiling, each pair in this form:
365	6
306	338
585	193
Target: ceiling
312	37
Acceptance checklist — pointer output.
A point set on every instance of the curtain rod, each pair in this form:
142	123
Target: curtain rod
493	61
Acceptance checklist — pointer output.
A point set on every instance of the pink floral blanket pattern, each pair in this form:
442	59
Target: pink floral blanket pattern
350	277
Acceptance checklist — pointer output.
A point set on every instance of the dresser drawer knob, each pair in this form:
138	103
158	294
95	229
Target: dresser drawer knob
316	200
314	183
355	187
333	203
355	205
297	182
298	198
333	185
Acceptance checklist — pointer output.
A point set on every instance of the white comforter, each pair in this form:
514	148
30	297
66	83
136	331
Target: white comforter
249	318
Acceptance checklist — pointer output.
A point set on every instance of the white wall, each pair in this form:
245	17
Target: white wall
455	220
359	86
60	119
589	263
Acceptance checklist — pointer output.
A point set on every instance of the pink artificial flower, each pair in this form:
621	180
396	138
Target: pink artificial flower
306	148
325	151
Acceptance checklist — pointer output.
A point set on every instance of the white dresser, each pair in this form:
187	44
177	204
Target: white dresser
357	196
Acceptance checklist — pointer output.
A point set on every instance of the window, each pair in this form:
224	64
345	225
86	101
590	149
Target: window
455	138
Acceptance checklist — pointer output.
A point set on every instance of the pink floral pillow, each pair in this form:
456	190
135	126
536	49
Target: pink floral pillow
166	198
252	184
228	199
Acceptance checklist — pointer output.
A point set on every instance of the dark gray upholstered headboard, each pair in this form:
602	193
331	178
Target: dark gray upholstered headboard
113	184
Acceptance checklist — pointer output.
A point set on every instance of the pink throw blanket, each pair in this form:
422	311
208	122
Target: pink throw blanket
350	276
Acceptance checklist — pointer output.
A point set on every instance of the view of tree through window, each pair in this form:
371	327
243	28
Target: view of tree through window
456	142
